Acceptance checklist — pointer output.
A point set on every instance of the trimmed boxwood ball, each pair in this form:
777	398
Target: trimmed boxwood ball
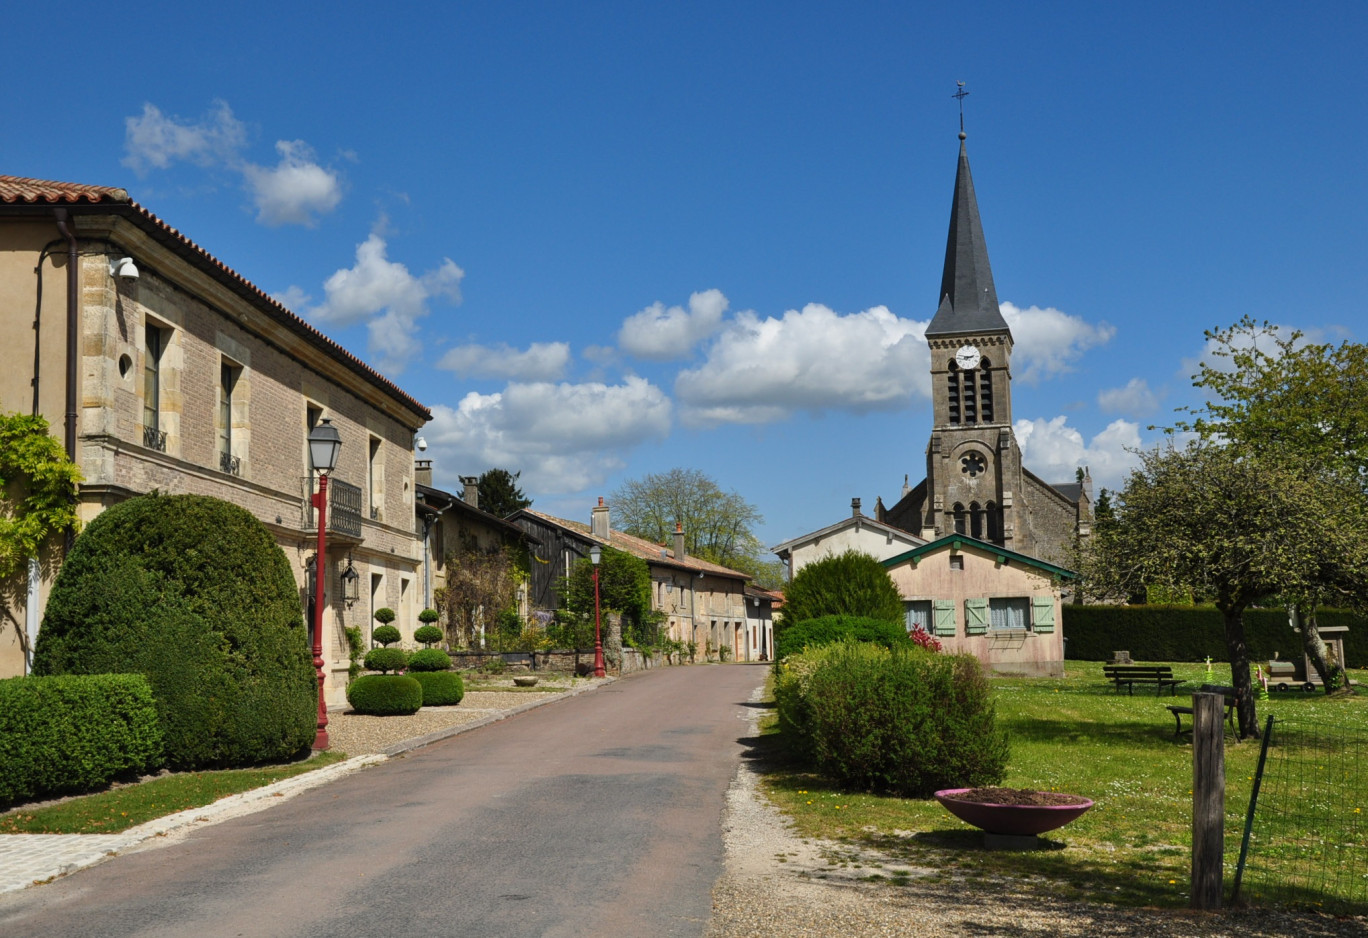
385	634
193	593
440	688
427	634
385	695
386	659
429	659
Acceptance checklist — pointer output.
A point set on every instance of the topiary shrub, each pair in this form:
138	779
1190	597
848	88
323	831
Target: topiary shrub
904	721
384	695
826	630
429	616
848	584
427	635
74	733
193	593
440	688
386	659
385	634
429	659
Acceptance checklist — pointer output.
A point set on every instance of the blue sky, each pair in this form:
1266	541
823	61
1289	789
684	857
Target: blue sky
606	239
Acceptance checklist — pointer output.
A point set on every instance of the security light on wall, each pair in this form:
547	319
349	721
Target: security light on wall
124	269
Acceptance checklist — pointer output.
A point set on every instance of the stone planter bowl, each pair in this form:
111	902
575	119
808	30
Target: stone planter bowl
1013	820
526	681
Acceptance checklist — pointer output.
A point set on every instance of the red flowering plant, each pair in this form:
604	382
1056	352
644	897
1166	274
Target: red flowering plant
923	639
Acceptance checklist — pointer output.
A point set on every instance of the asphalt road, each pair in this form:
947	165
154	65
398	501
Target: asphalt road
598	814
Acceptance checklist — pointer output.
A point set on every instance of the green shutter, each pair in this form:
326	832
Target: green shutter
975	616
1042	613
944	617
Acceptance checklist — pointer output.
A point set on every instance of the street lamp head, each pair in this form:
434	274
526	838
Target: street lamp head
596	554
324	444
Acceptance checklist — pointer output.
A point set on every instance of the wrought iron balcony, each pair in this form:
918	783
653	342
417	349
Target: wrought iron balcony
230	464
154	439
344	507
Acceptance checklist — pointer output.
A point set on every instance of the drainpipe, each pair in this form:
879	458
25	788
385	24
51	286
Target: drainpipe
73	331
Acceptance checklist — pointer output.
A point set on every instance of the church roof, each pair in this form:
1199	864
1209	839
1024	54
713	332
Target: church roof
968	299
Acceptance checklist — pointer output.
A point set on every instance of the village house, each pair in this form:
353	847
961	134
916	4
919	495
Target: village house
163	369
856	532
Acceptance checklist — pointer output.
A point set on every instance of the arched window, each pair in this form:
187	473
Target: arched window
975	520
959	518
953	385
994	523
985	391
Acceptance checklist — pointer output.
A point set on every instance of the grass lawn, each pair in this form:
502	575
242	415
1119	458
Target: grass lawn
1074	735
118	809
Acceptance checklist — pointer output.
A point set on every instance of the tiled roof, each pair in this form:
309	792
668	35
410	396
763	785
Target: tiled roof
640	547
19	190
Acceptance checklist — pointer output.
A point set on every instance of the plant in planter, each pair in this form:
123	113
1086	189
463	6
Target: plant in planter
1013	812
385	633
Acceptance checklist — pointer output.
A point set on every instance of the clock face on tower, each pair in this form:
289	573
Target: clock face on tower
967	357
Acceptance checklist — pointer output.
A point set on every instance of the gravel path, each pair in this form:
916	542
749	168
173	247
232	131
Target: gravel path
803	896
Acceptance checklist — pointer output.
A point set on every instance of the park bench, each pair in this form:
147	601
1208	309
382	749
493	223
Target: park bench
1160	676
1227	692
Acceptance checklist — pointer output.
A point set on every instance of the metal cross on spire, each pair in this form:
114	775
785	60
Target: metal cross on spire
961	94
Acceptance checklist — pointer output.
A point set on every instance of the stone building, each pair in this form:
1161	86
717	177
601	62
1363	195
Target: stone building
975	482
163	369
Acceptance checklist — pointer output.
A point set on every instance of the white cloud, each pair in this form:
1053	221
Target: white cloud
155	141
1134	400
388	297
814	359
563	437
295	190
1046	342
292	298
544	361
1053	450
666	334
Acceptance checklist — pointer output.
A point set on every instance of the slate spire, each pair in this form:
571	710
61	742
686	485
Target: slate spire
968	300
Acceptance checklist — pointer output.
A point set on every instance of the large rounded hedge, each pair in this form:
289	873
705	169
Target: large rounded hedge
193	593
385	695
440	688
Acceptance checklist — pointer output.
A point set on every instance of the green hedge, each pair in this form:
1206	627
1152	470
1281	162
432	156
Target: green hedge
193	593
74	733
825	630
440	688
385	695
1191	633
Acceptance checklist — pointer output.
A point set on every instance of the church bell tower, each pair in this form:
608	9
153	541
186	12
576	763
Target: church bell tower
973	463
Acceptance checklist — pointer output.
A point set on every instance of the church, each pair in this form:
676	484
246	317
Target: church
975	482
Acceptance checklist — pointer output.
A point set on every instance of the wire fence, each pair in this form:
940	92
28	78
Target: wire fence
1306	833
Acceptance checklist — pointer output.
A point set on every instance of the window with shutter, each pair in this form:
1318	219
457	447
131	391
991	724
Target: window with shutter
944	612
975	616
1043	613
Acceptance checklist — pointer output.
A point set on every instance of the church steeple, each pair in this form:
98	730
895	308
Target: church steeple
968	299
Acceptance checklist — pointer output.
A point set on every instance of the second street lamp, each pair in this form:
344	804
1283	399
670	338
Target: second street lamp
324	444
595	555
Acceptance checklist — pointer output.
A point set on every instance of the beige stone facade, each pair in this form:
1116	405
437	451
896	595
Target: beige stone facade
190	380
998	605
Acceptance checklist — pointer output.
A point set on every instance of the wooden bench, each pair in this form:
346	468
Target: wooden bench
1160	676
1227	692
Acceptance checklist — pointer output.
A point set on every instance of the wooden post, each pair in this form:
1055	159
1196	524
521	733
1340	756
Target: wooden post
1208	799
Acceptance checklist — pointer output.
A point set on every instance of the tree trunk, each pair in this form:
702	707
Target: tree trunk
1331	672
1238	648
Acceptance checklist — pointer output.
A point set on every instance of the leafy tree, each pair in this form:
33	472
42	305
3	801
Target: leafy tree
479	585
1233	525
1273	393
624	587
37	502
499	492
718	525
848	584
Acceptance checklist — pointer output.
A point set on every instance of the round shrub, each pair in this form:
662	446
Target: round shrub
440	688
385	695
825	630
386	659
427	634
429	659
193	593
849	584
906	722
429	616
385	634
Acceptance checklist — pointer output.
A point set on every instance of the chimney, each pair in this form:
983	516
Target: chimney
680	552
854	508
598	521
470	494
422	471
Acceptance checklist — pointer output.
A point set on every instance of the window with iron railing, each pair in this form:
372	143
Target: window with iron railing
344	506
